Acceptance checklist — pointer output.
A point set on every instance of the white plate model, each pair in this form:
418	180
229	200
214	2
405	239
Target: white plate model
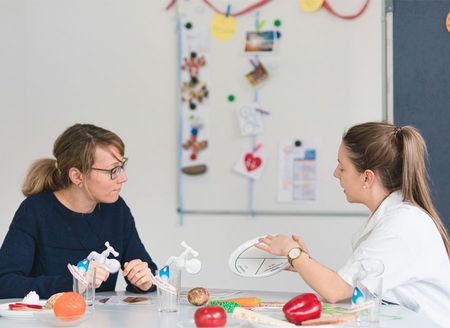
341	325
280	316
7	313
49	319
249	261
230	323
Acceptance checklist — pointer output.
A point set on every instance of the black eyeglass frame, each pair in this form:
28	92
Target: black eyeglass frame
115	171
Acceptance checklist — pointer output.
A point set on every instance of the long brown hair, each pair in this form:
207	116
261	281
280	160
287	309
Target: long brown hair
398	155
74	148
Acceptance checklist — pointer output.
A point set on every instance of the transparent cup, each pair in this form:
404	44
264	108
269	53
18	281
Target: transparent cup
169	302
367	292
369	314
86	289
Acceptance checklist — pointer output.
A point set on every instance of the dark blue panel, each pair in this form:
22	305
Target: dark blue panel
422	85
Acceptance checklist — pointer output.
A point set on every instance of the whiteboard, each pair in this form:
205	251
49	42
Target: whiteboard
326	75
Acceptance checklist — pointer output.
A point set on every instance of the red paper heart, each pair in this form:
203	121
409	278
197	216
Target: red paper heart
252	162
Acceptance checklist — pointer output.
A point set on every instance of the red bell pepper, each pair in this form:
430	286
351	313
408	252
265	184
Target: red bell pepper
302	307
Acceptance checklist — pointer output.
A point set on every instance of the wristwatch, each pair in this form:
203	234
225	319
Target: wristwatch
294	254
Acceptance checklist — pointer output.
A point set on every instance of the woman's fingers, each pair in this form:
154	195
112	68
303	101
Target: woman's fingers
263	247
138	274
101	273
142	277
297	238
301	243
267	239
132	268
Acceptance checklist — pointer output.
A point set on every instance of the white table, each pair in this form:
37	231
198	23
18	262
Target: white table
147	315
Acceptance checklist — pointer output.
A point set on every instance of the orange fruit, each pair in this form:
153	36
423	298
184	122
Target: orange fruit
69	306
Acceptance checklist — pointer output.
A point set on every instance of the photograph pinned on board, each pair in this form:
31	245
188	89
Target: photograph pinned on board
260	42
258	75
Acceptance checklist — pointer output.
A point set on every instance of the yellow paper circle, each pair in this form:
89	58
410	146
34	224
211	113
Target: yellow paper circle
223	28
311	5
448	22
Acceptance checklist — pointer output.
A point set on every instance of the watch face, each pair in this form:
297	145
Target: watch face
294	253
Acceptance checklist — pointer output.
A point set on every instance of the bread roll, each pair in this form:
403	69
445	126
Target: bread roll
198	296
51	301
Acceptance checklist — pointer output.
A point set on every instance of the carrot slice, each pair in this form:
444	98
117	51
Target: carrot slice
245	301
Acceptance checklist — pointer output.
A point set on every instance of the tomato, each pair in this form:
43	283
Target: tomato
69	306
210	316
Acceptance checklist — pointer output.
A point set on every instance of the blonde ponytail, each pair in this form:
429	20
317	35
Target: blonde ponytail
42	175
415	178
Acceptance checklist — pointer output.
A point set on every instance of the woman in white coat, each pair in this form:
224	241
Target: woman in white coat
383	167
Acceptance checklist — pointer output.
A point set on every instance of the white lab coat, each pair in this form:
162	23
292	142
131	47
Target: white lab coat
416	265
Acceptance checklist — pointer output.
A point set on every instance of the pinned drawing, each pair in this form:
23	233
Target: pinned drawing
250	120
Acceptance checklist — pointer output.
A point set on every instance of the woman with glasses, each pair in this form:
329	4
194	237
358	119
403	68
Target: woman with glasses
72	208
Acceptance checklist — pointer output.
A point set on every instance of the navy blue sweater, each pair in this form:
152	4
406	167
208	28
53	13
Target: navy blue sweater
45	236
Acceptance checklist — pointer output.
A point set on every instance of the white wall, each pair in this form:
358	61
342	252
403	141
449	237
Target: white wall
112	63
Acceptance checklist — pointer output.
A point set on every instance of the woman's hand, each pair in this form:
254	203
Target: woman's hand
278	245
281	244
101	273
301	243
138	274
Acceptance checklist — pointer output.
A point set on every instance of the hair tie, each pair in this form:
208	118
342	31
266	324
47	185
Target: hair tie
397	130
56	167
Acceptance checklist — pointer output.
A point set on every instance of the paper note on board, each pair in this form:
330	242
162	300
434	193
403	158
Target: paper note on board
298	174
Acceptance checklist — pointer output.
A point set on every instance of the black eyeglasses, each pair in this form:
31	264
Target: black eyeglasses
115	172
